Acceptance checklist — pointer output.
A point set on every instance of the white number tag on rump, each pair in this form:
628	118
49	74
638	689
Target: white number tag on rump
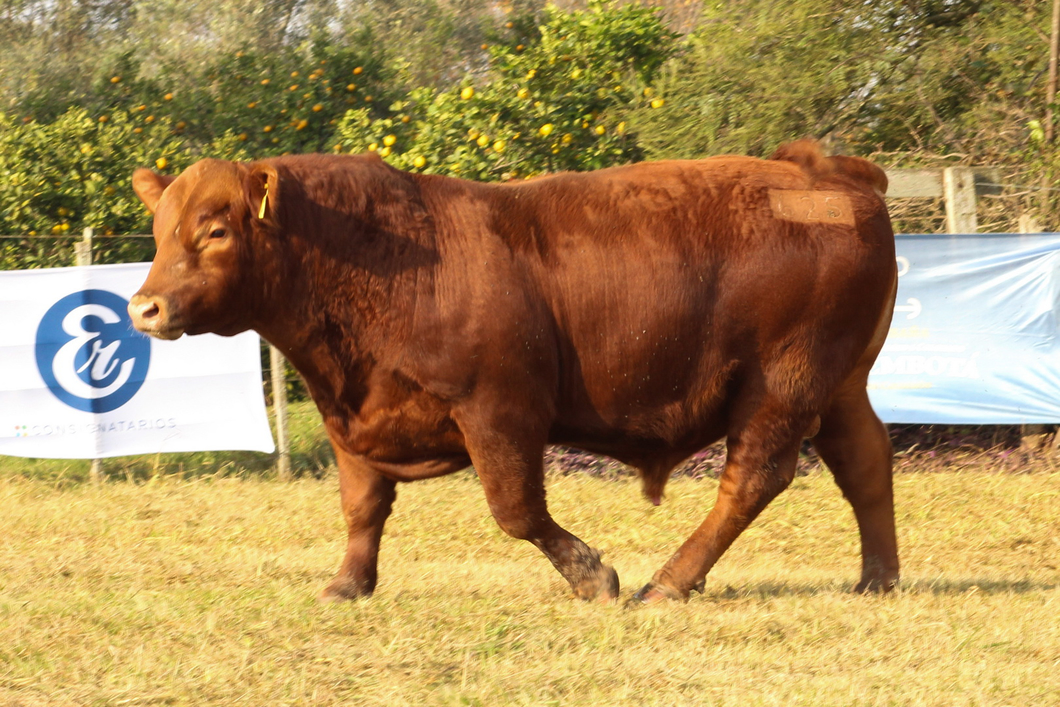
808	206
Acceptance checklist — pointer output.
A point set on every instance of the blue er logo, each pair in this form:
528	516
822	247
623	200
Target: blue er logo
88	353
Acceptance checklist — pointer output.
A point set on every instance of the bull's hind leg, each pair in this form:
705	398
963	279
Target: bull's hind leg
855	446
510	466
760	463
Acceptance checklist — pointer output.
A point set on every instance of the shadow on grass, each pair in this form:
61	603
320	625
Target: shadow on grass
984	586
940	587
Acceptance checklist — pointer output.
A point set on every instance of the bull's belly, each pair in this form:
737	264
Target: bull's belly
408	447
639	434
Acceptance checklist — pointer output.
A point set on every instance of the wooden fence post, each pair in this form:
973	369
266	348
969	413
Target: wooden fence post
83	257
1028	223
278	364
958	187
83	249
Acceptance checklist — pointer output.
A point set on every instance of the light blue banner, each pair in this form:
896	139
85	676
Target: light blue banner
974	339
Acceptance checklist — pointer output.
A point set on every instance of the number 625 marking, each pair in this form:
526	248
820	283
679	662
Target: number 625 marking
810	206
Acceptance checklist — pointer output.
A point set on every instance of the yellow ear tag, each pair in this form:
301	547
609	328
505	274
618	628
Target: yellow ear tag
264	200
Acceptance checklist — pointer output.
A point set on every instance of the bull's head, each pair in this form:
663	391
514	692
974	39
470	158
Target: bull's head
206	274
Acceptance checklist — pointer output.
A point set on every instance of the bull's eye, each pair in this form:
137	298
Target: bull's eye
218	233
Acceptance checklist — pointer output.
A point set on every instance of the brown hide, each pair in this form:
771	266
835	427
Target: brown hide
642	312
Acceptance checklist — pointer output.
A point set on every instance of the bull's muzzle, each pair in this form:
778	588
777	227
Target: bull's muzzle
150	315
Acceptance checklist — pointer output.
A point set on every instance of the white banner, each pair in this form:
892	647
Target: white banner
975	338
78	382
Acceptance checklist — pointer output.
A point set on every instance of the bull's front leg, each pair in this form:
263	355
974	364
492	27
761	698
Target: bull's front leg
508	456
367	498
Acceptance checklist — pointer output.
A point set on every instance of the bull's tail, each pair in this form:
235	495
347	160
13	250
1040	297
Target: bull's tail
808	155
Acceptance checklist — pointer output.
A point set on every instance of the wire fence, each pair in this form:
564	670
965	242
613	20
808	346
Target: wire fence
999	208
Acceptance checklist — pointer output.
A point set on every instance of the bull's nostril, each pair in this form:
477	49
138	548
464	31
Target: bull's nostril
145	311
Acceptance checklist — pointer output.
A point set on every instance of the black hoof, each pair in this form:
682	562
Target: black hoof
602	587
345	590
652	593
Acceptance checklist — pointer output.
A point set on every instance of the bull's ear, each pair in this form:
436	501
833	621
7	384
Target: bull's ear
262	190
149	186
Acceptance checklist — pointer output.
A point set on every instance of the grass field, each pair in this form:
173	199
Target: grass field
201	591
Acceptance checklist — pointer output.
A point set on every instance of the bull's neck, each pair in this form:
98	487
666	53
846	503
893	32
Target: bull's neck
338	314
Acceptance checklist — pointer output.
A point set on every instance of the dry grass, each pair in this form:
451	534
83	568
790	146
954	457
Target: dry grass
202	592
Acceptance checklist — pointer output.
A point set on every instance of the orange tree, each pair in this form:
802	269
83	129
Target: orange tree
554	98
273	102
57	178
60	174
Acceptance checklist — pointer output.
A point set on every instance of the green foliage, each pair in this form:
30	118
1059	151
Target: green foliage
59	178
929	76
434	43
107	91
966	82
69	174
557	102
758	73
273	102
